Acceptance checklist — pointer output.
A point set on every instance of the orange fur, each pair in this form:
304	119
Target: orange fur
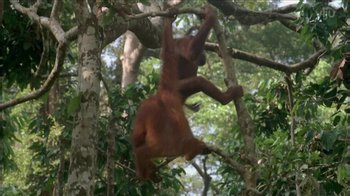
160	127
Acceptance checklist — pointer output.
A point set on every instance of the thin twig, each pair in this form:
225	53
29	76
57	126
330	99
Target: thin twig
292	123
291	106
44	55
57	4
233	163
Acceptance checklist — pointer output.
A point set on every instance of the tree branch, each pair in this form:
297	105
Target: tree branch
72	33
60	55
44	54
248	17
168	12
261	61
148	34
206	177
234	164
55	9
50	23
56	29
245	121
31	12
291	106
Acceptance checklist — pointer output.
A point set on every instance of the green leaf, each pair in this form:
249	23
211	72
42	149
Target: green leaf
343	173
341	101
145	2
27	45
336	120
330	97
309	136
333	187
327	139
347	110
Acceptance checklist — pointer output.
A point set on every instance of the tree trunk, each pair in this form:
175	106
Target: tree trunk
51	106
133	52
81	179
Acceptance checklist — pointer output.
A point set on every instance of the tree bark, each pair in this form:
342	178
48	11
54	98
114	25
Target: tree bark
51	106
134	49
81	179
132	55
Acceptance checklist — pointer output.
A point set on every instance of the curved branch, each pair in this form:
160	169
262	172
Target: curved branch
44	55
261	61
248	17
60	55
50	23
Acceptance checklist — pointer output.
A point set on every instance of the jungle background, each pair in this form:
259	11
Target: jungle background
73	73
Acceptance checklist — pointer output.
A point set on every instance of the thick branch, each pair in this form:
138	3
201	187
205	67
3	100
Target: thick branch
238	54
245	121
72	33
50	23
148	34
170	12
248	17
31	13
60	55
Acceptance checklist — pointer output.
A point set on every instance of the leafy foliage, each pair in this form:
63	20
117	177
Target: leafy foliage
33	141
20	47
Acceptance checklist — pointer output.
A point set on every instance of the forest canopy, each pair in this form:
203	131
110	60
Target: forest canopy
73	74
